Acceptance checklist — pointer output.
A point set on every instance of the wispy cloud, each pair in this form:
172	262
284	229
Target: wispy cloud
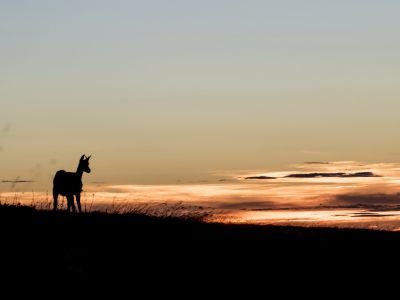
260	177
338	175
318	175
366	199
246	204
326	170
16	181
323	186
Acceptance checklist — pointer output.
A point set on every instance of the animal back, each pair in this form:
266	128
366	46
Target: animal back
67	183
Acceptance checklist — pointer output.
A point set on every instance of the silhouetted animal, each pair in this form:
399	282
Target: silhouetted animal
69	184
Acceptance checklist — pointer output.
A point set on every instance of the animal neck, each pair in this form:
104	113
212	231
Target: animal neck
79	172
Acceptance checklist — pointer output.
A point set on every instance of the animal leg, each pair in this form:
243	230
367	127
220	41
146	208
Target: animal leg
70	203
55	203
78	202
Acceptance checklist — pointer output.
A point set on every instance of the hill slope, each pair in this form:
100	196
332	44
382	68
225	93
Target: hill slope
98	249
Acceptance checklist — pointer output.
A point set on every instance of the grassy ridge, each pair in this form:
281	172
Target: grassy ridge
97	249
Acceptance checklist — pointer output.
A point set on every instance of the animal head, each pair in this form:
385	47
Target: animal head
84	163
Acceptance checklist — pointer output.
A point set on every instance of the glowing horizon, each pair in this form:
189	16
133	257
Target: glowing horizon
308	185
344	193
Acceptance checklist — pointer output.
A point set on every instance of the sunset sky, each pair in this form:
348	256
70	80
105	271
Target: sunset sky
192	97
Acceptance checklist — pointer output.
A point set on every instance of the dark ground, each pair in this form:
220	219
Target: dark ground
140	253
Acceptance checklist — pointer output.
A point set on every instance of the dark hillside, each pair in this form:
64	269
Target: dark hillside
102	250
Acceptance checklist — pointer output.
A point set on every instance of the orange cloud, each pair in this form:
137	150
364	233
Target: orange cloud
253	200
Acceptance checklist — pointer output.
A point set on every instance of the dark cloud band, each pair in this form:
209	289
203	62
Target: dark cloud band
320	175
338	175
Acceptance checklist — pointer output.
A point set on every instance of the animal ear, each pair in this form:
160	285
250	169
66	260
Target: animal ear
83	157
88	157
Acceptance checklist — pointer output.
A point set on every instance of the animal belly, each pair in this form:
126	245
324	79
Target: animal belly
66	189
68	192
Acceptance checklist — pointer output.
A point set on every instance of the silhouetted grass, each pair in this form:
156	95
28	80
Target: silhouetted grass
100	249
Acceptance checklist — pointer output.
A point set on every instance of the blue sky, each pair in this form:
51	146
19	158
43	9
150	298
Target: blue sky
160	91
